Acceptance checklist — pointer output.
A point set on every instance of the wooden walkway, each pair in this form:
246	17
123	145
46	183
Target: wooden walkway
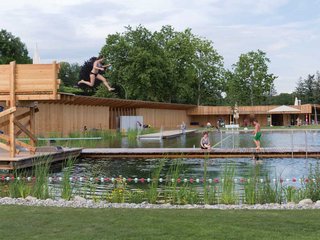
165	134
199	153
25	159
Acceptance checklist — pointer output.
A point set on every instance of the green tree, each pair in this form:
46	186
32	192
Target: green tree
167	65
12	49
250	83
282	99
103	92
308	89
69	73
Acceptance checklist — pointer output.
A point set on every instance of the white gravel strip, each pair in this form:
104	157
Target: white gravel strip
79	202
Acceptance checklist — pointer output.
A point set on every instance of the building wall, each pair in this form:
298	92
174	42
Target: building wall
68	118
168	118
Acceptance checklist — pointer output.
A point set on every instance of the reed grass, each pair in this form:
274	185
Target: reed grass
41	172
66	185
228	194
19	188
311	184
152	193
172	193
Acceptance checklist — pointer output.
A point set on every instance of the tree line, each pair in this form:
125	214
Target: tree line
176	67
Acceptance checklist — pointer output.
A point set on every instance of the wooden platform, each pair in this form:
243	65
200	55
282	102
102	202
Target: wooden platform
25	159
199	153
164	134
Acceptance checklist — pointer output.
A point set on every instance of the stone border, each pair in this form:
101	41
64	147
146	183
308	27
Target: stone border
79	202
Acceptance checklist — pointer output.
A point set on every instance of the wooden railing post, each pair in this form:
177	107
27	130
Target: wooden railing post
12	104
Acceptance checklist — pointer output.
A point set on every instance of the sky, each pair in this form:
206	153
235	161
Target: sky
74	30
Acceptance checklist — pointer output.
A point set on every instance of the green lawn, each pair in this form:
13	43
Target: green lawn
18	222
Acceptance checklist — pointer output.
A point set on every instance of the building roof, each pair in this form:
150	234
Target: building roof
118	103
284	109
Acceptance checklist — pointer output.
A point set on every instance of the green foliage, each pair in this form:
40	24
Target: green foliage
12	49
281	99
69	73
165	65
73	90
250	83
308	89
103	92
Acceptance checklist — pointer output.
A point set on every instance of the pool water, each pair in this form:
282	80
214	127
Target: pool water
223	140
285	168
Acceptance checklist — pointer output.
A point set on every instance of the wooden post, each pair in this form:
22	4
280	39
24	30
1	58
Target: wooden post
32	125
12	104
54	76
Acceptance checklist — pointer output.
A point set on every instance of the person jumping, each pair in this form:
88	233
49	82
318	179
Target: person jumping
94	74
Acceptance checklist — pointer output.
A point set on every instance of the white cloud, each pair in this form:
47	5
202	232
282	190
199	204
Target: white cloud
74	30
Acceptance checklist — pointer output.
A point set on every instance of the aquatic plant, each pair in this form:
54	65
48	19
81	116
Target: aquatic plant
19	188
269	192
118	192
228	194
171	190
152	193
135	196
66	185
41	169
311	184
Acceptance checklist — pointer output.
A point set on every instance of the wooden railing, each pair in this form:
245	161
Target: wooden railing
22	85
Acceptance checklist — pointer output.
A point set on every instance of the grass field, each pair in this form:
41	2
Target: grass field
19	222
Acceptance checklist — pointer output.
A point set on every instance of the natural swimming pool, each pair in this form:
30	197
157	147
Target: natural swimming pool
137	171
288	168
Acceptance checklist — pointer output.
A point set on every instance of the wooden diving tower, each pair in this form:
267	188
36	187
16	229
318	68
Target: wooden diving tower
21	86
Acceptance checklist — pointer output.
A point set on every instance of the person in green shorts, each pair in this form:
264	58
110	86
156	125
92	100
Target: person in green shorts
257	134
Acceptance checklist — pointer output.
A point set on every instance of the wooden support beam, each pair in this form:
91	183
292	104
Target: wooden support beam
12	105
8	111
32	125
20	131
19	143
5	146
26	131
18	118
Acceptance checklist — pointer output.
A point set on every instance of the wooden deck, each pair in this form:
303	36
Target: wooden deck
164	134
25	159
199	153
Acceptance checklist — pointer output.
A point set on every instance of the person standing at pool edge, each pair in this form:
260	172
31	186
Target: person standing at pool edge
257	134
97	66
